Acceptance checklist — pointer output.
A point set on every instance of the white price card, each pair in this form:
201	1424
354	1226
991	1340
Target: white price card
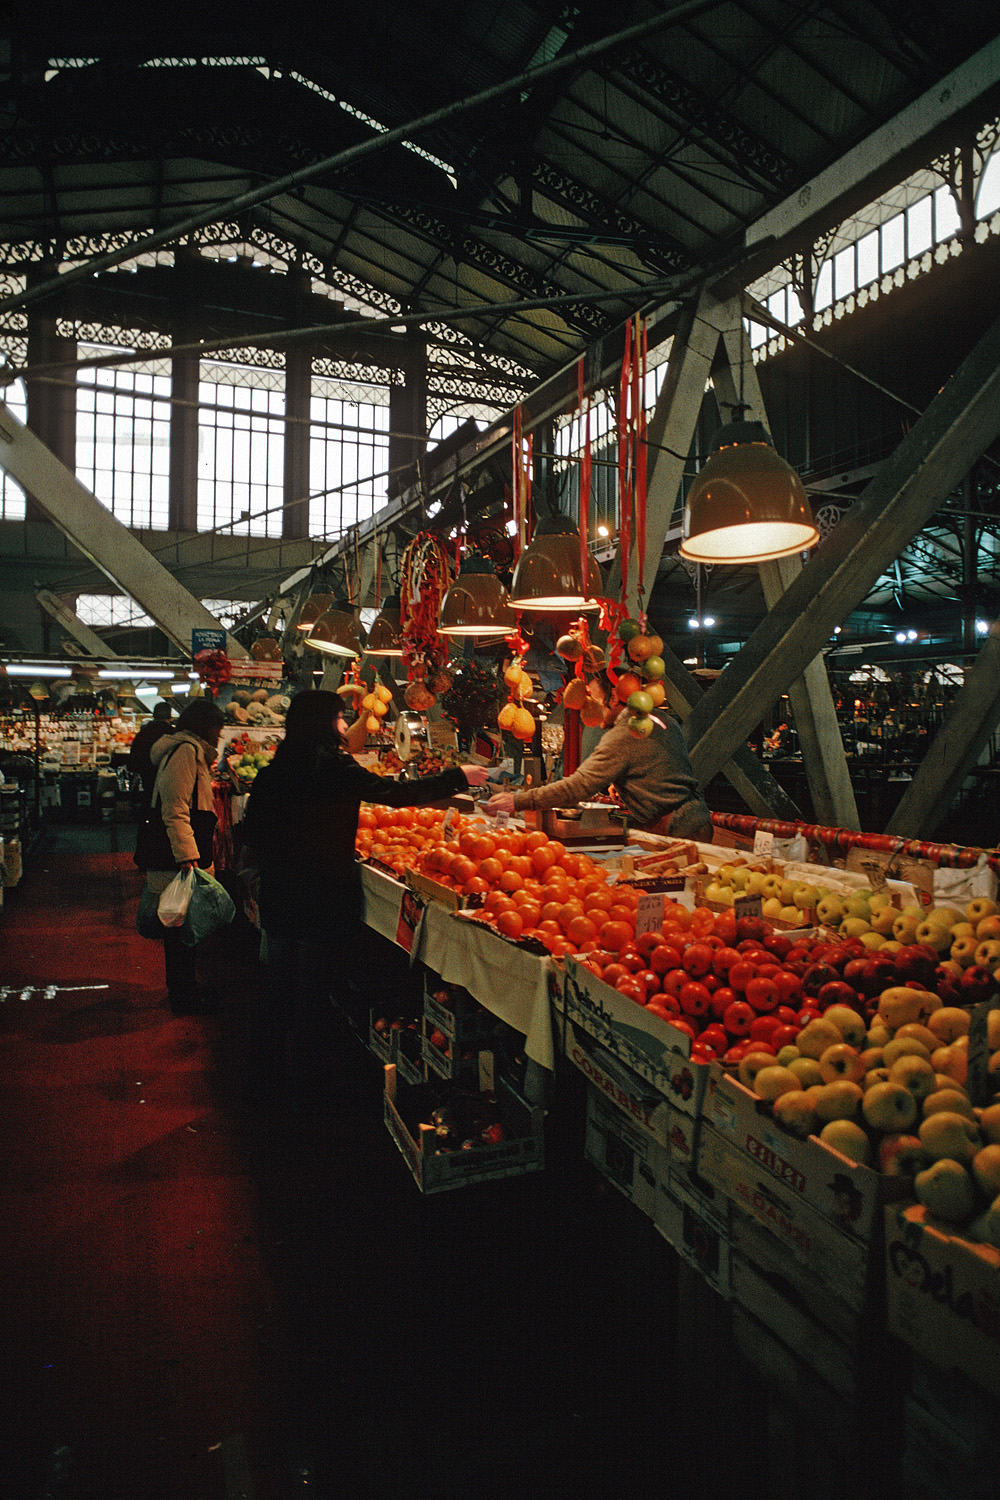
649	912
763	844
448	824
502	819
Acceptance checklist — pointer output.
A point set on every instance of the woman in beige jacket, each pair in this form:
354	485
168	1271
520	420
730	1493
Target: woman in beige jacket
183	794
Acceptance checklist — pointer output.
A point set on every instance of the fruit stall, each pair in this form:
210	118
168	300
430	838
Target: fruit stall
792	1074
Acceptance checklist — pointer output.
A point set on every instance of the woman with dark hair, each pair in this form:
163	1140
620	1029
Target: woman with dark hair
182	795
300	825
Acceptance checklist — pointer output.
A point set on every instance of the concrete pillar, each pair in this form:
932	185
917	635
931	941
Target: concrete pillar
408	412
51	403
184	376
298	397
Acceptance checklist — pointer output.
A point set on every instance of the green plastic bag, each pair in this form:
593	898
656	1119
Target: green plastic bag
210	908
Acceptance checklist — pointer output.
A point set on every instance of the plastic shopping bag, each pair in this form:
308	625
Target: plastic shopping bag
174	901
209	908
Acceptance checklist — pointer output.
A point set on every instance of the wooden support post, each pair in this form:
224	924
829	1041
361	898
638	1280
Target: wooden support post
937	452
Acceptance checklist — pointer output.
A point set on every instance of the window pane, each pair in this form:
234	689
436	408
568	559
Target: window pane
241	455
348	461
988	200
868	269
844	278
919	227
123	442
893	246
12	503
824	286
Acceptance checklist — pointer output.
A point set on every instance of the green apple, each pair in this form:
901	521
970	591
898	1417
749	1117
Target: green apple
816	1036
880	901
787	893
739	880
945	1188
986	1170
724	874
771	908
771	1083
847	1021
917	1075
878	1034
849	1139
935	935
989	1124
889	1107
949	1101
755	883
788	1053
882	920
839	1100
904	1046
978	909
841	1061
805	897
807	1071
986	1227
858	906
874	1076
873	940
772	885
795	1112
791	915
853	927
951	1022
949	1134
919	1033
830	910
906	923
751	1064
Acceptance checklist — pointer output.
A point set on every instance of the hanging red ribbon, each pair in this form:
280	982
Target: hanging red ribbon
585	468
624	462
640	462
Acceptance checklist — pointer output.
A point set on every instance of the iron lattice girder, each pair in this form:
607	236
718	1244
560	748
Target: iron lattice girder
754	155
939	450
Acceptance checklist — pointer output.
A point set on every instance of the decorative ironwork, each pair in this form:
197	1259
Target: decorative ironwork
761	158
108	334
827	517
583	201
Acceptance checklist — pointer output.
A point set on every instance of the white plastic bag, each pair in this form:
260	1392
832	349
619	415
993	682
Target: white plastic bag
965	884
174	901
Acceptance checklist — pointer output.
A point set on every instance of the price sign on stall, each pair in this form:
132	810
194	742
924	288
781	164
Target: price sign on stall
411	909
649	912
763	844
748	906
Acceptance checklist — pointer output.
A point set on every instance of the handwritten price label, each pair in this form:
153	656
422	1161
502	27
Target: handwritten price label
649	912
763	844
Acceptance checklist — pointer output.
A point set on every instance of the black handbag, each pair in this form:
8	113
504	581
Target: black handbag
152	842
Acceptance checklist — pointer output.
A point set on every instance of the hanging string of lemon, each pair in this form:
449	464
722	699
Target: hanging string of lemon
514	717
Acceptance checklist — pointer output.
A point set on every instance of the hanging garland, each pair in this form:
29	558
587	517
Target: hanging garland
214	668
425	576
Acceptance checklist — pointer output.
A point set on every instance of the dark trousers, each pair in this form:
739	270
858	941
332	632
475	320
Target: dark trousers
302	971
179	961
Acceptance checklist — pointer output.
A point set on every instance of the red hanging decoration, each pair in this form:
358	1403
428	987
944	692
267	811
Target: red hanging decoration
214	668
424	579
583	406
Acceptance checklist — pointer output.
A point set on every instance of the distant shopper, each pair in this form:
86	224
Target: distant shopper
139	761
301	823
182	798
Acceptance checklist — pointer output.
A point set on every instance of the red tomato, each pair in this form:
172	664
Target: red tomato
722	999
613	972
739	1018
762	993
714	1036
783	1036
741	974
647	941
723	960
673	981
631	959
650	980
762	1027
632	990
681	1023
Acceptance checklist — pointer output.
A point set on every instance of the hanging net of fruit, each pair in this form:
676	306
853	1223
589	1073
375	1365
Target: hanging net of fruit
214	668
514	718
424	580
473	698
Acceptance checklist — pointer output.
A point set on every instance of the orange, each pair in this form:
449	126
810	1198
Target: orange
461	868
477	886
542	857
620	913
581	930
483	846
614	935
522	864
568	913
491	869
510	924
549	928
530	913
503	903
535	841
550	911
510	880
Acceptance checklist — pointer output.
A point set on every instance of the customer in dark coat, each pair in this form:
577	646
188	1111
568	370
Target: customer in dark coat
300	825
139	760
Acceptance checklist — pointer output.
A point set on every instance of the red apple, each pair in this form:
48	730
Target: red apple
785	1014
723	960
750	927
816	976
697	959
741	974
681	1023
734	1054
738	1019
783	1036
915	961
778	944
762	993
647	941
837	992
695	999
650	980
701	1053
976	984
714	1036
762	1028
673	981
664	957
722	999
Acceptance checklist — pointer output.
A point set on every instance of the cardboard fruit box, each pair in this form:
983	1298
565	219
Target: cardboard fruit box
696	1220
522	1150
846	1194
622	1151
638	1100
648	1045
943	1295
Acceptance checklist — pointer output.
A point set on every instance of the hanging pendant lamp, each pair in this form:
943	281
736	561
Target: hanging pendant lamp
548	576
747	505
315	606
384	638
476	604
337	632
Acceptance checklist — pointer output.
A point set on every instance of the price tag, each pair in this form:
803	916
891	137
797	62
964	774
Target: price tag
876	875
649	912
441	734
448	824
411	909
748	906
502	819
763	844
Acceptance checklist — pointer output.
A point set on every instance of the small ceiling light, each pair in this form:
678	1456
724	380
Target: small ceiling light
603	531
384	637
708	621
693	623
747	505
911	635
117	674
315	605
982	627
901	636
476	604
548	576
337	632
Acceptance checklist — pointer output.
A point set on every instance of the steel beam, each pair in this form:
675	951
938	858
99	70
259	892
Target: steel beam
936	454
815	716
956	748
70	621
104	541
764	796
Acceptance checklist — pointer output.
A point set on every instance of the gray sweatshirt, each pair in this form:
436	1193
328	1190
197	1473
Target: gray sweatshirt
652	776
